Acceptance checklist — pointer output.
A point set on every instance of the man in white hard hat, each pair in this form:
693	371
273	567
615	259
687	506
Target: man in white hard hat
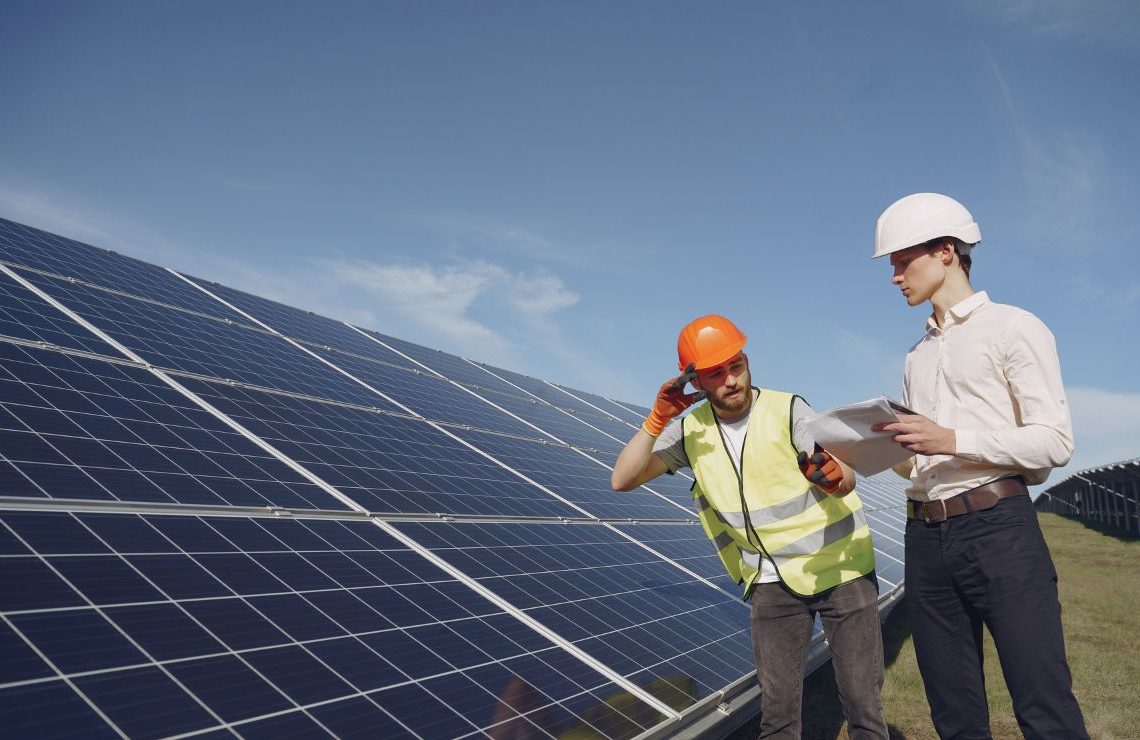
991	416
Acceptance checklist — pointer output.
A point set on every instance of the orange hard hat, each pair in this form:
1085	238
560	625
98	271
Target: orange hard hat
708	341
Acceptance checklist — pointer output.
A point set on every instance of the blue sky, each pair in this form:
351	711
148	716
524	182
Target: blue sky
558	187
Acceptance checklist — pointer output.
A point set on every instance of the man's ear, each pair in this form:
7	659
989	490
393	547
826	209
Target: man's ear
946	252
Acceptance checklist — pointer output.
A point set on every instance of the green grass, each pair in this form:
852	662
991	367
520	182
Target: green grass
1100	600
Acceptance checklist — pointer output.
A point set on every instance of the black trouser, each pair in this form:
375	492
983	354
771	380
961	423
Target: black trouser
990	567
782	624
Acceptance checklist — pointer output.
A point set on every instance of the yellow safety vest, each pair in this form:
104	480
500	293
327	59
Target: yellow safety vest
815	541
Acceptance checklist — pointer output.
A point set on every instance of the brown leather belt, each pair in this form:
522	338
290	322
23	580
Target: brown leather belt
976	499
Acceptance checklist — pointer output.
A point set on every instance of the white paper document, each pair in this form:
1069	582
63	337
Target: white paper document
846	433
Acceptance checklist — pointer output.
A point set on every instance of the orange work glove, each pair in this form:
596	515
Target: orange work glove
671	400
821	469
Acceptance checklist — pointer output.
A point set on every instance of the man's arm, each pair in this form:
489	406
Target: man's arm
637	464
816	461
1045	437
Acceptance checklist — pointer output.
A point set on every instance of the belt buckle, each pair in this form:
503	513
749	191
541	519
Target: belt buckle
926	514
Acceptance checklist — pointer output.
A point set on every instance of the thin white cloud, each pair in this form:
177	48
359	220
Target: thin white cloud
466	234
446	300
539	296
50	214
1113	24
1065	173
496	236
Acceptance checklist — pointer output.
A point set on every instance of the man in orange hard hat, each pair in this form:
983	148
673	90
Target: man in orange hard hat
783	516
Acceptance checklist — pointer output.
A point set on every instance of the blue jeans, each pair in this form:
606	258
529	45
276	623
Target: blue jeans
781	631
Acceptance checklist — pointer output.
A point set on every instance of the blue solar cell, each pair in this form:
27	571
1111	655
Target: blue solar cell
383	462
31	584
247	535
235	623
302	677
296	617
229	687
628	413
359	664
126	533
430	396
577	479
423	713
241	573
77	641
294	535
24	315
611	597
348	610
93	455
191	534
192	343
292	726
104	579
178	576
409	655
359	718
293	570
342	569
555	396
50	710
164	631
687	546
144	702
51	534
304	325
20	662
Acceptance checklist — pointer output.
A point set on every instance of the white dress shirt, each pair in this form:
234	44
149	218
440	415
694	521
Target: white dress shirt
992	375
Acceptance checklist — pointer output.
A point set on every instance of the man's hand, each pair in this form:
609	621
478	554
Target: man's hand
821	469
920	435
671	401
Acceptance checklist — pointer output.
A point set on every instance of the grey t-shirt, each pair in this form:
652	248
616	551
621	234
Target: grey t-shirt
670	446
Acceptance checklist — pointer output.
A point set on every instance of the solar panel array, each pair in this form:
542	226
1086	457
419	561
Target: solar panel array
222	516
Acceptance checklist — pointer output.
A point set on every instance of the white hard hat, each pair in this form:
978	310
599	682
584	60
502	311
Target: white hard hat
920	217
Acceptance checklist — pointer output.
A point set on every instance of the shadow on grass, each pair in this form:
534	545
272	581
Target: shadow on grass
822	712
1107	530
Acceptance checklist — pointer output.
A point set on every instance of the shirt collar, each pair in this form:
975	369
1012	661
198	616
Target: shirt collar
960	310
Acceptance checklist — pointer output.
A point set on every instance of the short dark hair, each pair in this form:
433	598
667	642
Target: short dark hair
961	249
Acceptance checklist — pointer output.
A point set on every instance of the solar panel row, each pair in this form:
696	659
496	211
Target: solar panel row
224	515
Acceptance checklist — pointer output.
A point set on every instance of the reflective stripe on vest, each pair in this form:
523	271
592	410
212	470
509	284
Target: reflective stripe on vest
815	541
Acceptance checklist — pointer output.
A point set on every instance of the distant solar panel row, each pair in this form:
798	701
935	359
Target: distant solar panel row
463	608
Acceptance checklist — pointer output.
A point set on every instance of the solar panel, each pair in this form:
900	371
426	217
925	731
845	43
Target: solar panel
67	258
76	427
279	618
222	515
